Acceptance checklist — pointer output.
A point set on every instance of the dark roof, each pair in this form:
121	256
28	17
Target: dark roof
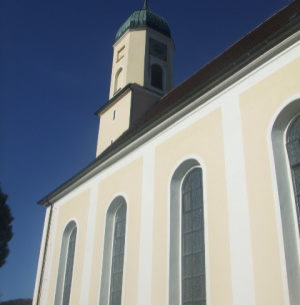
145	18
273	31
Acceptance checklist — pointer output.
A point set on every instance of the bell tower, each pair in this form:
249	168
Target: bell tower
142	72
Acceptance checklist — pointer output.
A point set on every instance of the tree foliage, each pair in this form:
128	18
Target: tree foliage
6	233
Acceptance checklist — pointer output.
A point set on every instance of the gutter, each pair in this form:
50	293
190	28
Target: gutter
45	254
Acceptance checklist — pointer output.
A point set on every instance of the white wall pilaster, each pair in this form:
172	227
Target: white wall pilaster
239	224
146	234
89	246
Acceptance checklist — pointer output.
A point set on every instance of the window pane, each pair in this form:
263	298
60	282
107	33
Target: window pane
187	290
196	197
116	265
197	241
188	243
293	149
195	179
297	179
197	219
187	203
156	76
188	265
199	263
294	131
187	222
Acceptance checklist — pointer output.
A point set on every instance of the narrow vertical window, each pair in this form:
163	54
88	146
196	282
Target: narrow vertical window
192	240
118	80
66	263
121	53
114	115
157	76
293	150
118	256
286	149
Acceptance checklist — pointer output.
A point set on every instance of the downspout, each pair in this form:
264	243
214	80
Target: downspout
45	254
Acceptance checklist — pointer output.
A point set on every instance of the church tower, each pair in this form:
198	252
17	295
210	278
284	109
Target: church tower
142	72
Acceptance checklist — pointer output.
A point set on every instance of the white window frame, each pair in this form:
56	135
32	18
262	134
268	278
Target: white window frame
108	249
286	198
71	226
175	254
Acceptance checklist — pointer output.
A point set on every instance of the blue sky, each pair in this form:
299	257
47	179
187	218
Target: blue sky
55	64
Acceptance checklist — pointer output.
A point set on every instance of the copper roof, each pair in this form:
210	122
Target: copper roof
145	18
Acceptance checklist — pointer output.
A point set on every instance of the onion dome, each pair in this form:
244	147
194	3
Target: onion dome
145	18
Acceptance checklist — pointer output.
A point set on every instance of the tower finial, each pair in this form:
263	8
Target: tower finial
145	4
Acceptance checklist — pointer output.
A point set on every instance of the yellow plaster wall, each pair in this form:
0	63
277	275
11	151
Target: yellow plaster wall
75	209
128	182
136	57
204	139
117	64
133	62
258	106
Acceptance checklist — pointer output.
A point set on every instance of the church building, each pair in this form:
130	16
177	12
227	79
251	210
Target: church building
194	195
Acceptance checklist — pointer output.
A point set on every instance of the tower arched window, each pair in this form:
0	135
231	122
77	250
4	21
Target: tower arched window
66	263
119	80
113	255
187	280
157	76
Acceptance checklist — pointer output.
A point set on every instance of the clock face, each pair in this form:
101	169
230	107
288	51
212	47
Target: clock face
158	49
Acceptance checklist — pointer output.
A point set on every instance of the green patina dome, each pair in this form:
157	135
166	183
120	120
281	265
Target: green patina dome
145	18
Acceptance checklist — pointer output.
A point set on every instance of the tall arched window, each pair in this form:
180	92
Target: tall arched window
187	281
293	150
157	76
66	263
119	80
113	253
285	142
192	240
